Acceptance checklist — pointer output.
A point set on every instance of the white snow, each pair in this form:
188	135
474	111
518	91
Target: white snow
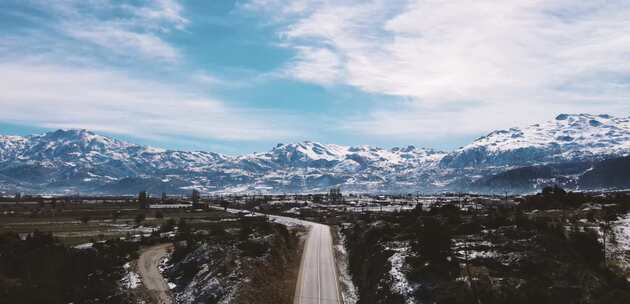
400	284
348	290
84	246
312	166
131	280
579	133
619	251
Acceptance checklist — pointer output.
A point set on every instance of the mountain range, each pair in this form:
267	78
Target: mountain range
580	151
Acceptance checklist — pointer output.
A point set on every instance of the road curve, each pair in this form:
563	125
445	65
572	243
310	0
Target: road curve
149	271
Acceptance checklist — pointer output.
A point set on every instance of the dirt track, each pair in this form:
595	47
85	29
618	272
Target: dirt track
152	279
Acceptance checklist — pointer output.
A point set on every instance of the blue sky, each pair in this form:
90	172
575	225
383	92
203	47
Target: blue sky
240	76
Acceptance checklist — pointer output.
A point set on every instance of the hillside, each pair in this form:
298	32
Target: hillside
514	160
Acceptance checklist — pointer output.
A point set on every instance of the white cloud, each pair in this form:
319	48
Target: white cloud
163	11
122	29
103	99
50	81
318	65
123	42
506	57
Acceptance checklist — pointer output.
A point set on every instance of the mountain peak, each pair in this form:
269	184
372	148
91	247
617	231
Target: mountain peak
582	116
81	158
567	137
562	116
70	134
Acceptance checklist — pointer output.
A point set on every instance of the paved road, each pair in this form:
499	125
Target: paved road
151	277
317	282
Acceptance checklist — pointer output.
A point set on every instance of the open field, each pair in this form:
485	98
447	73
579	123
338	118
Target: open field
81	223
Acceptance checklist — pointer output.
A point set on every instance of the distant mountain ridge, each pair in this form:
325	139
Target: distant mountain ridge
561	150
567	138
80	160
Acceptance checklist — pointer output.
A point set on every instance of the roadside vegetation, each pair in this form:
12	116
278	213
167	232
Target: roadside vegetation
554	247
246	261
88	251
40	269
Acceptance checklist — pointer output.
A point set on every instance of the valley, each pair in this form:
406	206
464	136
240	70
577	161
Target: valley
314	152
334	248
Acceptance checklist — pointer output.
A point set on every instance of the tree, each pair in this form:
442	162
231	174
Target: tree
588	245
195	196
115	216
606	227
182	226
139	218
433	241
169	225
245	232
143	200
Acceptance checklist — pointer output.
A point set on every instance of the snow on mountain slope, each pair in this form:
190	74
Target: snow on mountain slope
567	138
79	159
73	145
81	146
10	146
309	150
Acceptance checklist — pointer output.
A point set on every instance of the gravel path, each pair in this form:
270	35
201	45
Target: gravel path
148	268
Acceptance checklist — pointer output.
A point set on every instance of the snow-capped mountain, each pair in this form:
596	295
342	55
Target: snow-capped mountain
567	138
342	158
70	160
79	160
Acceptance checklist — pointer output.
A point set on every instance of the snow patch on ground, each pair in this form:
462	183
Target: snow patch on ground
620	250
471	250
400	284
84	246
131	280
163	267
288	222
348	290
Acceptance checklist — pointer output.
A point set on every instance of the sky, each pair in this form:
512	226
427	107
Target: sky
241	76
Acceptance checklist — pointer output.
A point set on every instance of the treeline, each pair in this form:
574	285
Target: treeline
554	197
368	261
493	254
272	278
247	261
39	269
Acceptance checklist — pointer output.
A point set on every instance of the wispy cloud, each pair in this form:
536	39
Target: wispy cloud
122	42
508	58
103	99
318	65
99	65
120	28
165	13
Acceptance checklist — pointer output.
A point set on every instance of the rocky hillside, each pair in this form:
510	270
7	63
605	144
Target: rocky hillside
567	138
